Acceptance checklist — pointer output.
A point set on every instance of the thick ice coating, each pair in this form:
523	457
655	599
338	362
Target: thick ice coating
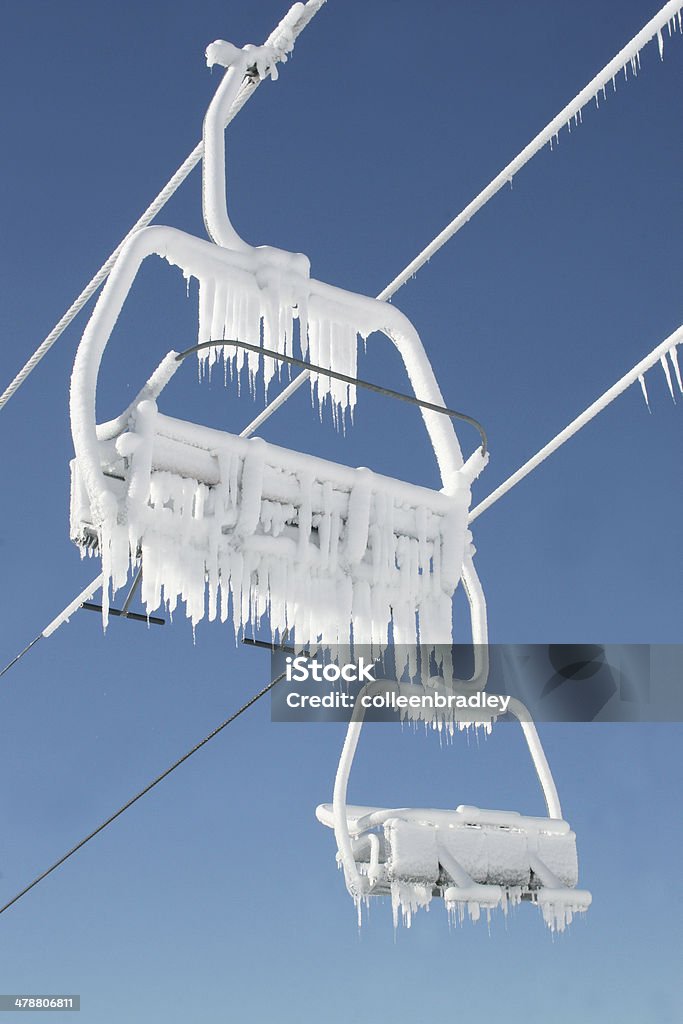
476	860
319	548
245	529
265	309
235	526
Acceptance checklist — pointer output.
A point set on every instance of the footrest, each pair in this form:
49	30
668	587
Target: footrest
558	906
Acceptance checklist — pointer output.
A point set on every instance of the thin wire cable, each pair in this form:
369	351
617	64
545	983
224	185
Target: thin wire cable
336	375
63	617
21	654
248	86
143	792
657	354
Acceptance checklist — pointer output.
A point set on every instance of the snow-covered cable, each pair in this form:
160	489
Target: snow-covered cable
667	346
276	403
669	15
60	619
281	40
66	614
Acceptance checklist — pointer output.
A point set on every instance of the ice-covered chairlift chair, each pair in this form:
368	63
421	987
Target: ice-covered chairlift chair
315	545
472	858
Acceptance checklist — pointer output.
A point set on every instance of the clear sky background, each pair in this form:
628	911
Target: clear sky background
217	897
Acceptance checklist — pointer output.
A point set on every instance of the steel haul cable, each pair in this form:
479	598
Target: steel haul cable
668	15
249	85
129	803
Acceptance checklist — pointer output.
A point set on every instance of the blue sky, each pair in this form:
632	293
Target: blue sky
218	895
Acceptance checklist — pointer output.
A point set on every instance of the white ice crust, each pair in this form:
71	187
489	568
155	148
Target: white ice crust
319	549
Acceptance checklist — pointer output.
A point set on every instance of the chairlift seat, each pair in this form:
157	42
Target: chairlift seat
315	543
324	550
503	857
473	858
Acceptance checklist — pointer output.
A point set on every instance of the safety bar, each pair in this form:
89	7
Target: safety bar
356	381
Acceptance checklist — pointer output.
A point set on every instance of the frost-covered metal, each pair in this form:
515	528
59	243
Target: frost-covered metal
474	859
243	528
239	528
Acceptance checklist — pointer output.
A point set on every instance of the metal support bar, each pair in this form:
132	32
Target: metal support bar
136	616
131	593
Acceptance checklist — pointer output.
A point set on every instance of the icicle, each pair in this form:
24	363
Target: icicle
218	325
357	524
667	374
643	388
206	294
673	356
331	343
252	488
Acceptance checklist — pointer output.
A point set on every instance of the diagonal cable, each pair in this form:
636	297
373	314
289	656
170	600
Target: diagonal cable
129	803
628	56
669	15
277	40
658	354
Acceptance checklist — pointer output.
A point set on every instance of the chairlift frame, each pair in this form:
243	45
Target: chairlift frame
469	872
105	454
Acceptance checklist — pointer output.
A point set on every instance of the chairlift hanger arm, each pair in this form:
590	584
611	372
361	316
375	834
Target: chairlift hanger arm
355	381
